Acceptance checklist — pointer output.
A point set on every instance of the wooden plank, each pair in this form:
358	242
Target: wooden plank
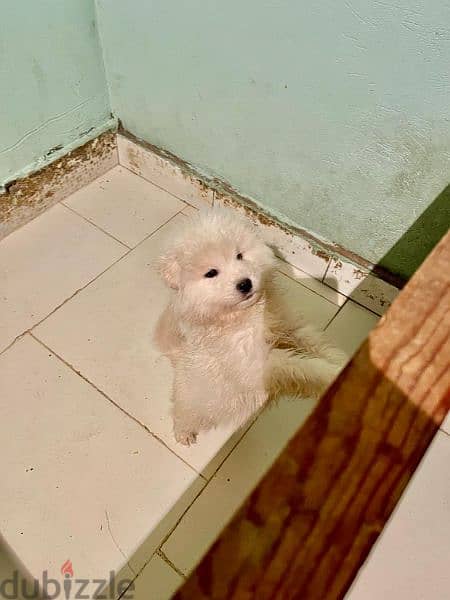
308	526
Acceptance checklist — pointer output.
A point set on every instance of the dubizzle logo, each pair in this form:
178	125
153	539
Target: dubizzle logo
67	569
72	588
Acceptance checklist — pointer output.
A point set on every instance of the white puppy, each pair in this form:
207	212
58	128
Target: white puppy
233	340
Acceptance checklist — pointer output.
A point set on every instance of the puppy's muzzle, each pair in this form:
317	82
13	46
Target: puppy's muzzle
244	286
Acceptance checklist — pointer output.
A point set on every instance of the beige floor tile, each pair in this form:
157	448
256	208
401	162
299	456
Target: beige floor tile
350	327
45	262
234	481
446	424
360	285
125	205
190	211
165	526
411	558
118	355
231	439
314	308
158	581
148	548
84	482
312	284
375	294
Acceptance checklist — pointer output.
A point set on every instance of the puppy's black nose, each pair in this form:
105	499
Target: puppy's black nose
244	286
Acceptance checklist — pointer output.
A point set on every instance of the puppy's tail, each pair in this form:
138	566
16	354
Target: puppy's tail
300	375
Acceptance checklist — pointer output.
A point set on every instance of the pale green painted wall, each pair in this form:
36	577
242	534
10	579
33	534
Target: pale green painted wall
333	115
53	90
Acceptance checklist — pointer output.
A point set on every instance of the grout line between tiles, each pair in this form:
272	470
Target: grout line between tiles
161	554
16	339
349	297
335	315
168	534
156	185
365	307
156	230
100	391
180	518
164	540
308	288
208	481
96	225
443	431
328	286
357	304
122	594
30	329
326	271
250	424
163	557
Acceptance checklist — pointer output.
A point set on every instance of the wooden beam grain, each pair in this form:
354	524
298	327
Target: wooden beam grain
308	526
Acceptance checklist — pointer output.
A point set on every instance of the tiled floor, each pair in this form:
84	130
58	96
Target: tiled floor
88	460
411	559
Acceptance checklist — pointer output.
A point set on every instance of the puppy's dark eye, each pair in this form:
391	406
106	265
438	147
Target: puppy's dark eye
239	256
212	273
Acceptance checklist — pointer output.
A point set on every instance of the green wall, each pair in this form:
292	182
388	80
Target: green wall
53	92
333	116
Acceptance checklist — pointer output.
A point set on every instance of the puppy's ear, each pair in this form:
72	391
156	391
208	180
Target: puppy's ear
170	270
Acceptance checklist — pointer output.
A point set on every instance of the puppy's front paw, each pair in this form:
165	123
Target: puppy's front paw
185	437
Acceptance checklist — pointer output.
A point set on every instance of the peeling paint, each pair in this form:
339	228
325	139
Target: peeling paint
358	274
28	197
321	254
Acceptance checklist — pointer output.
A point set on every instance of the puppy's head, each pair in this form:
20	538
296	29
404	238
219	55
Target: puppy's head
217	265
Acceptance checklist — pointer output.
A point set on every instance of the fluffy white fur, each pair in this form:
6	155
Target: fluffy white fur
233	349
